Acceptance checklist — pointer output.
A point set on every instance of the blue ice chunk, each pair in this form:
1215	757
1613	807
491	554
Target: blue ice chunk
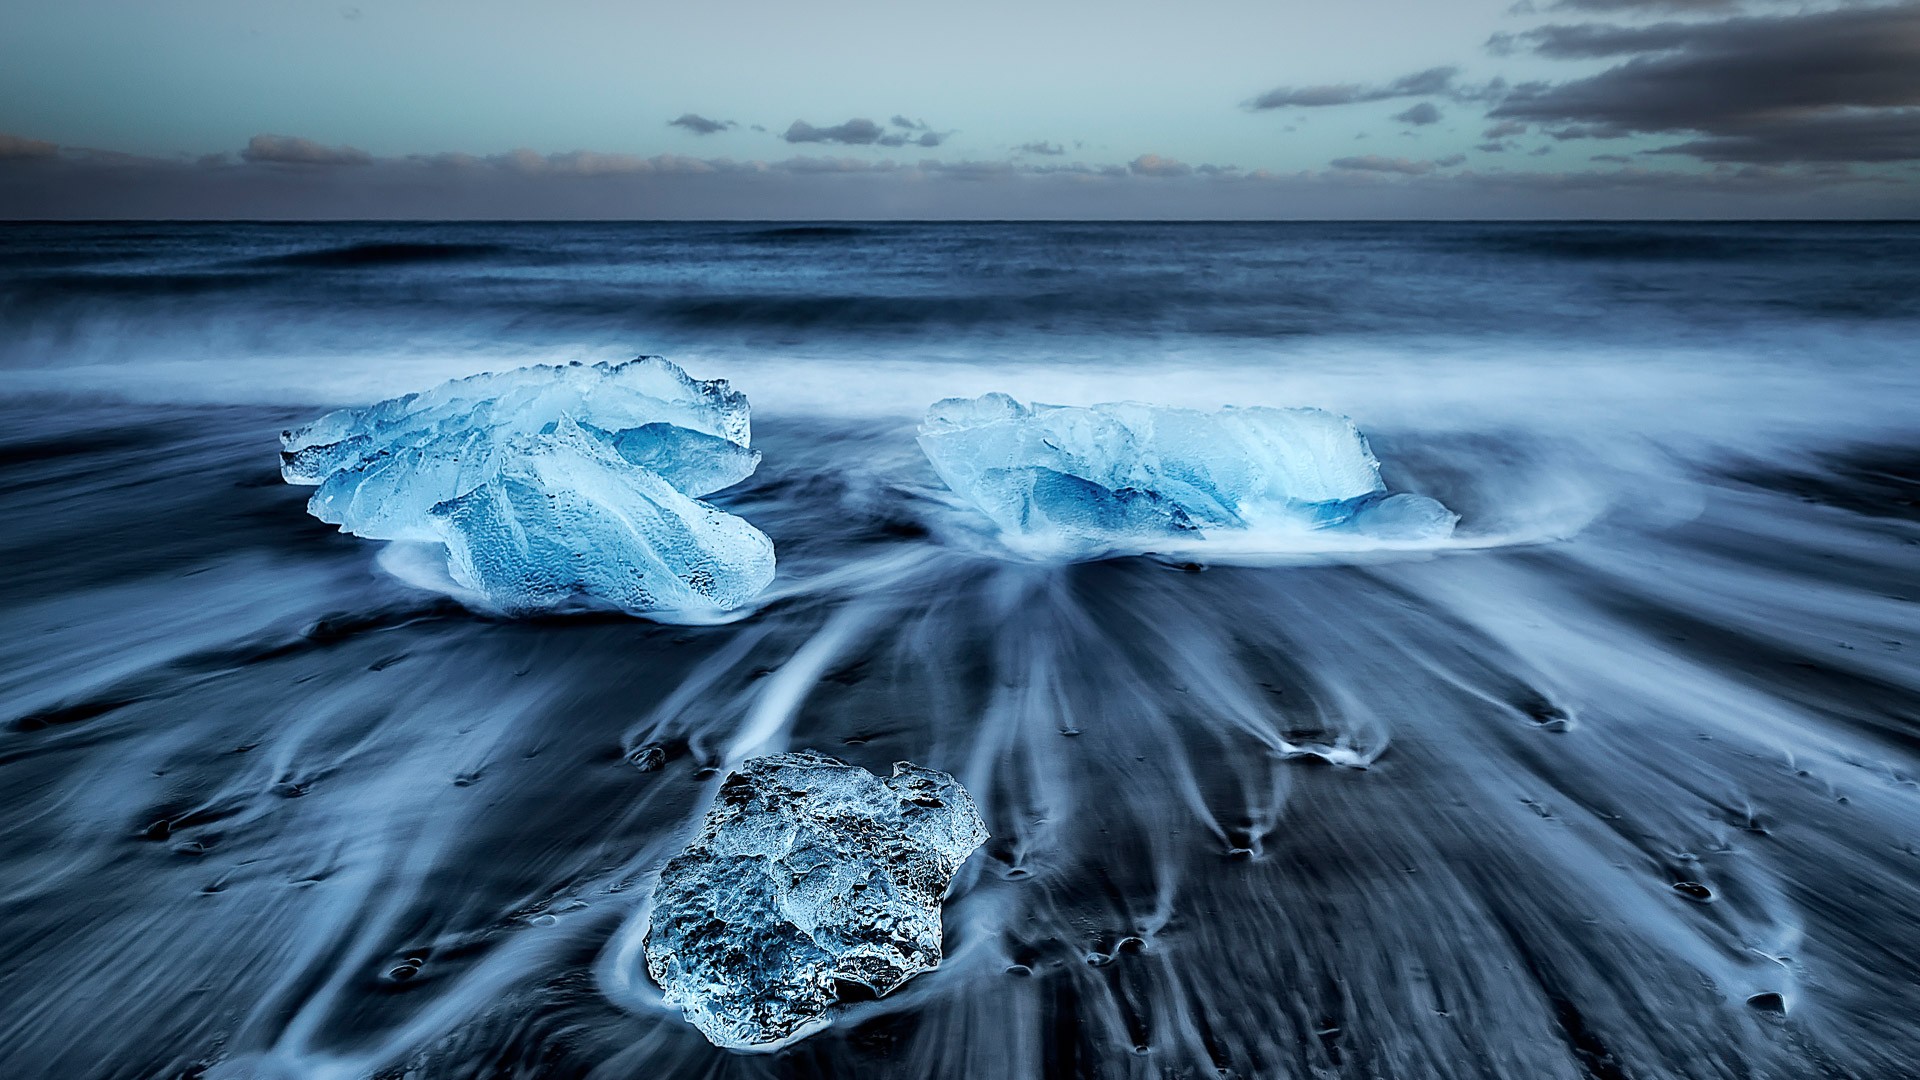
806	872
612	397
564	516
1405	518
551	483
1040	500
1118	474
694	462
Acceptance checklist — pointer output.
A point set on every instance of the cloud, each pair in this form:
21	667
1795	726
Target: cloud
1380	164
1879	135
1840	85
854	132
1076	168
1439	80
449	160
700	125
1587	131
1419	115
972	170
590	163
817	165
289	150
19	148
582	184
862	132
1155	165
583	163
1045	149
1630	7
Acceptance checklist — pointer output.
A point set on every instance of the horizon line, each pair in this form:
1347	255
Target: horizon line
1836	220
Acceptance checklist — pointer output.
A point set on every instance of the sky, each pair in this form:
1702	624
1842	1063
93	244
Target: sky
991	109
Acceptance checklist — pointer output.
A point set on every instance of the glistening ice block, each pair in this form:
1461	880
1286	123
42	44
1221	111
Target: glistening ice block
562	515
551	484
611	397
806	872
1118	476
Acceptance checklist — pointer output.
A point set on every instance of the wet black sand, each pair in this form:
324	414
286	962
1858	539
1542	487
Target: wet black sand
1638	803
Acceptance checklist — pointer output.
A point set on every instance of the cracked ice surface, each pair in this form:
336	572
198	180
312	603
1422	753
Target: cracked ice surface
551	484
1121	476
806	872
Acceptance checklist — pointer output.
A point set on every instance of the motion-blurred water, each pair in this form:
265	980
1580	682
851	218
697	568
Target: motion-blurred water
1624	787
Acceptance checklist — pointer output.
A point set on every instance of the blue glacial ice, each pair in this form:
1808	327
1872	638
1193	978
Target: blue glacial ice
1129	477
806	873
551	485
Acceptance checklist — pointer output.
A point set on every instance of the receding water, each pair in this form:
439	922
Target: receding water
1626	783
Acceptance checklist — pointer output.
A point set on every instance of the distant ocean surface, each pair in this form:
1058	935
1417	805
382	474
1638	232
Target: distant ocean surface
1625	784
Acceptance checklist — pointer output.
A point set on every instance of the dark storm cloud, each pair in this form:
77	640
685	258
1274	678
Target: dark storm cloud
1587	41
1879	136
700	125
1419	115
1827	86
1629	7
862	132
1439	80
289	150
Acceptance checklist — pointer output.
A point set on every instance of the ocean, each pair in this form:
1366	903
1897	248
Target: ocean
1623	781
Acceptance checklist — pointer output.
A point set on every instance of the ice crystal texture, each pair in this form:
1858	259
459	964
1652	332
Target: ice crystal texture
806	873
1119	475
551	484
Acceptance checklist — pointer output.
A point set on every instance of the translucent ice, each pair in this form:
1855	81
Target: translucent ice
562	515
612	397
551	483
807	872
1404	517
1115	476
